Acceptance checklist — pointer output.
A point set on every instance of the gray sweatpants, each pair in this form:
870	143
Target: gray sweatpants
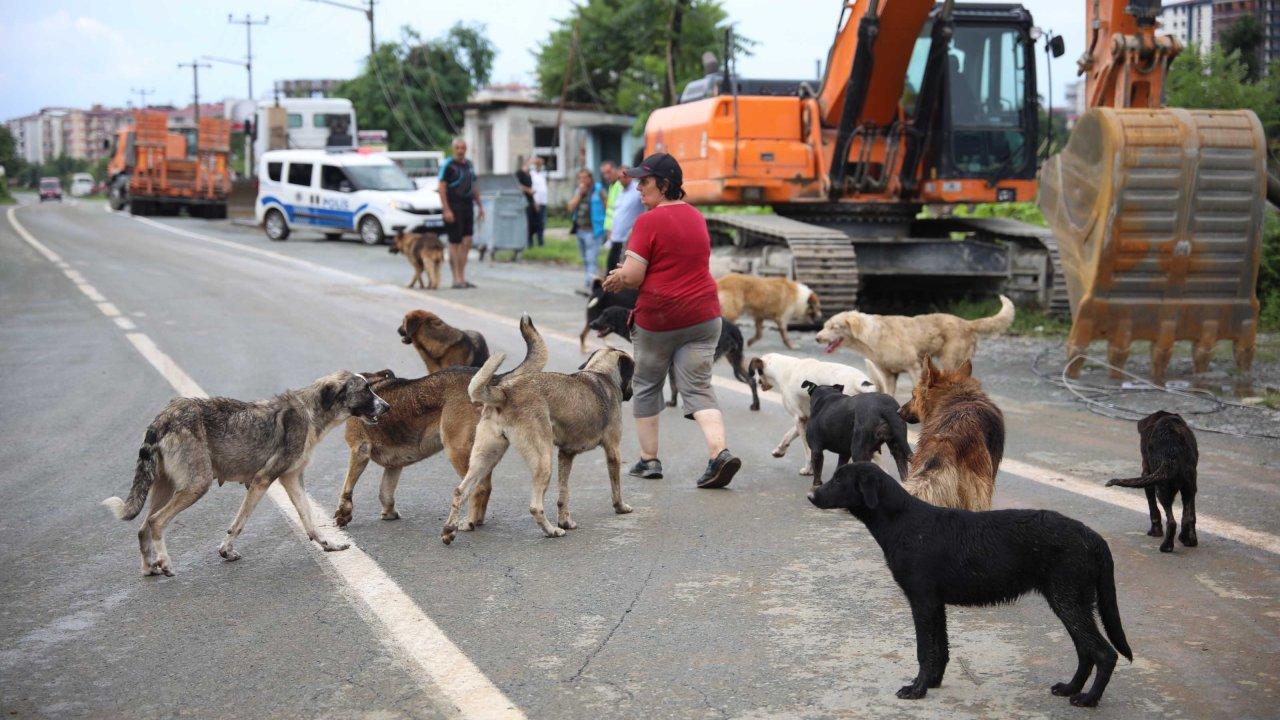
690	352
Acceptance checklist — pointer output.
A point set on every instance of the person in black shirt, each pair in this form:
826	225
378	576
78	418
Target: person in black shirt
531	208
457	193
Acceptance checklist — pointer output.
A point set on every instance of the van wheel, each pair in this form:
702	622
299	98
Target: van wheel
371	231
275	225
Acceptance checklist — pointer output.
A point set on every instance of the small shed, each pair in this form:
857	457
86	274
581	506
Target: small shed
505	125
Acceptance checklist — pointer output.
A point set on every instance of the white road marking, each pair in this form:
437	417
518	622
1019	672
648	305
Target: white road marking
405	628
125	323
109	309
1094	490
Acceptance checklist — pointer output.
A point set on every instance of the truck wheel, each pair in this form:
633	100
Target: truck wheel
118	195
275	225
371	231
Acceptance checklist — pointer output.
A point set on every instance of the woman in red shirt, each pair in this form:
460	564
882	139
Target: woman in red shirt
677	317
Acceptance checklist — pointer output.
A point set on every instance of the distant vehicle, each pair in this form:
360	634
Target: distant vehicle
338	193
421	165
50	189
81	184
305	124
155	171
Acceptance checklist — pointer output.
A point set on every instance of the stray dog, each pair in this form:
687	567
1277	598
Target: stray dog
961	439
602	300
777	299
1169	459
788	374
896	342
540	413
440	344
941	557
613	321
853	427
428	414
424	251
194	440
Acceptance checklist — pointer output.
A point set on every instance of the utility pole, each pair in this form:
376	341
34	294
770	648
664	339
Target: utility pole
366	8
142	96
248	23
195	66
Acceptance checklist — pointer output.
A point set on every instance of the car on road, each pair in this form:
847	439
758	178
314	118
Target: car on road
339	193
421	165
81	184
50	189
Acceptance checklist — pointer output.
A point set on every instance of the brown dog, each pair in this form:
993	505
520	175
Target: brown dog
440	344
961	439
777	299
428	414
424	252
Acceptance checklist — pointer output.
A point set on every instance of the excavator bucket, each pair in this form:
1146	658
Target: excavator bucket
1158	215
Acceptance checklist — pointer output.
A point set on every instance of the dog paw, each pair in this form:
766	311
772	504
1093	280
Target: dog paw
392	515
1064	689
228	553
779	452
913	691
161	566
568	525
1084	700
1155	531
755	406
806	471
622	508
1166	547
467	526
330	546
1189	540
555	532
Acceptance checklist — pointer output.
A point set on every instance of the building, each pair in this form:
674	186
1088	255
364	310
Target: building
76	133
1077	101
40	136
1227	12
506	124
1191	21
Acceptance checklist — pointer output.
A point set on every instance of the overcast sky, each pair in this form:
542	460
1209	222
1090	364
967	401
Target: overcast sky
81	52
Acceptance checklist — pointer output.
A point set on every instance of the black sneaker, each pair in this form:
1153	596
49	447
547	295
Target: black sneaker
720	471
647	469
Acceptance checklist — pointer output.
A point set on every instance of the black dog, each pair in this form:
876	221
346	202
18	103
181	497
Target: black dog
602	300
940	556
613	321
853	427
1169	458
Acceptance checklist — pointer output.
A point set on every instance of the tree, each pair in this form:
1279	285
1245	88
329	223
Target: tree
631	56
1245	37
1220	81
9	157
408	87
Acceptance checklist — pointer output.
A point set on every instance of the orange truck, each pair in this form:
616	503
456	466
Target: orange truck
153	170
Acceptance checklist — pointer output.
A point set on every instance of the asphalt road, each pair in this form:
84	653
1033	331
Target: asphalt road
745	603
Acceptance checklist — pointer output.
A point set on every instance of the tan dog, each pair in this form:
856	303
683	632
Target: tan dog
777	299
961	440
424	251
194	441
441	345
542	414
894	343
427	415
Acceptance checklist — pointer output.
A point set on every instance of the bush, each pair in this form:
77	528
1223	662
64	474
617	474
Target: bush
1269	274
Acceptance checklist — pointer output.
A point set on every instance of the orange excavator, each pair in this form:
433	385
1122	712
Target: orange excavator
923	107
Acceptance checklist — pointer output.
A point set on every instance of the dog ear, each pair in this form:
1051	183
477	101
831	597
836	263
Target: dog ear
626	368
412	323
808	386
755	367
965	370
927	370
839	388
587	362
869	486
330	394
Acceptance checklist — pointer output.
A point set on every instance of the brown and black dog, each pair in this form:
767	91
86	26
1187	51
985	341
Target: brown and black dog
961	439
440	344
427	415
424	251
1169	458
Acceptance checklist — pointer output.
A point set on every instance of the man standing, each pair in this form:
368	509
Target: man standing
609	178
539	177
525	179
457	193
626	208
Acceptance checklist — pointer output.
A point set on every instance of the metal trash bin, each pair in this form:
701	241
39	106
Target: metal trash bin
506	223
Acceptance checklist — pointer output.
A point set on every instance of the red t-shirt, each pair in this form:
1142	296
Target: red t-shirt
678	290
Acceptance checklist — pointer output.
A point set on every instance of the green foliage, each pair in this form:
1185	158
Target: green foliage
562	251
620	59
406	88
61	167
1245	37
1269	274
1025	321
1027	212
1220	81
9	157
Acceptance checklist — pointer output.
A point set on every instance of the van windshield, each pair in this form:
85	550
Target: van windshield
379	177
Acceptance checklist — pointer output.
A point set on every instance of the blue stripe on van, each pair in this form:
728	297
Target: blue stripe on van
316	216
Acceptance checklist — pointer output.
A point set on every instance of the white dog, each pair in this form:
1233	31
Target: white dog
786	374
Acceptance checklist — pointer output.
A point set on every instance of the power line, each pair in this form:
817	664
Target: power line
404	76
248	23
435	90
142	96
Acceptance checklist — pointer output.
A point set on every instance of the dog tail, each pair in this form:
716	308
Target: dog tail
1162	473
535	355
143	475
481	390
997	323
1107	607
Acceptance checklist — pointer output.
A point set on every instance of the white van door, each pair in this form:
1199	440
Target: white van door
301	193
336	207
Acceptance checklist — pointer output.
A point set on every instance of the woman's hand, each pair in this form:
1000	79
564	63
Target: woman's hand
613	282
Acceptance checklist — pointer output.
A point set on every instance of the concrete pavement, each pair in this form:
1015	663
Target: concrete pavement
744	603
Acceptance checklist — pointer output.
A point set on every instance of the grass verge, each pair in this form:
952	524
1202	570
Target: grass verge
561	251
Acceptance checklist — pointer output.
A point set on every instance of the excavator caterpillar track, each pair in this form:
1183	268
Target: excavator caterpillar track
821	258
1158	214
1050	282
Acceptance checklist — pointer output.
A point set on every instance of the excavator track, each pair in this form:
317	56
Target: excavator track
821	258
1053	295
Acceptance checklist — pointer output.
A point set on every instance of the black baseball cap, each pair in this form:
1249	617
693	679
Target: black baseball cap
658	165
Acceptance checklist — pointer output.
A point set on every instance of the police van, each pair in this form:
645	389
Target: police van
340	192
